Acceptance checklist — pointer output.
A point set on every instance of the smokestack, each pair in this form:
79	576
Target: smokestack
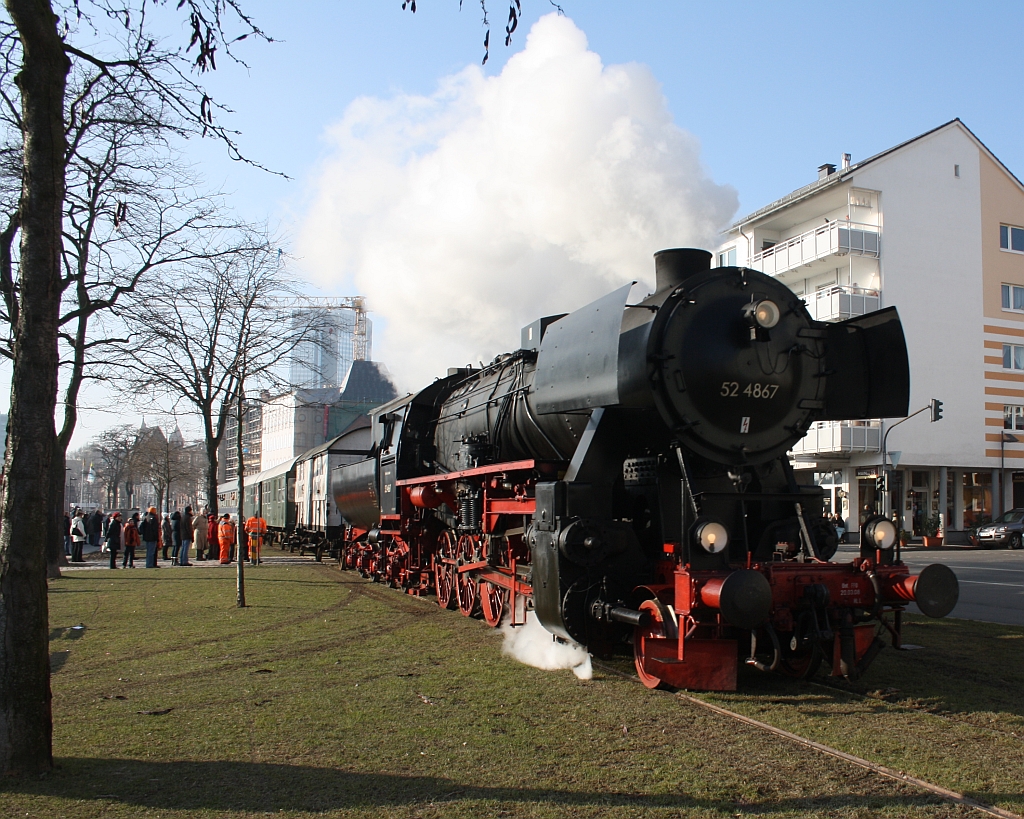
672	267
846	162
826	170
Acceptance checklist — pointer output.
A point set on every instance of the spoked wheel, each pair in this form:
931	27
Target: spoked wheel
466	587
493	601
444	573
1016	542
658	624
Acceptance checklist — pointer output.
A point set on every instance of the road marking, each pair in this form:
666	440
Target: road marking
988	583
985	568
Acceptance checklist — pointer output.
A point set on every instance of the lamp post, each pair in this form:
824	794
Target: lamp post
1004	438
935	407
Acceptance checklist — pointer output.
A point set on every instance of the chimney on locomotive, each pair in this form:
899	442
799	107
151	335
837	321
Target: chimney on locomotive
672	267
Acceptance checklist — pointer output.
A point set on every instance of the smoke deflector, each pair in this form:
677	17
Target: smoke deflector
868	369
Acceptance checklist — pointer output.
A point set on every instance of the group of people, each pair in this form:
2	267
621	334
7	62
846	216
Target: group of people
176	533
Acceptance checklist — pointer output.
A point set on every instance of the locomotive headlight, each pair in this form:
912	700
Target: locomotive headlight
767	314
712	537
881	533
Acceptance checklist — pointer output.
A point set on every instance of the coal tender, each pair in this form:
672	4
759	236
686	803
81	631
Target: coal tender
624	475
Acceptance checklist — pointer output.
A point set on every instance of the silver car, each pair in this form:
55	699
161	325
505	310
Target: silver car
1006	530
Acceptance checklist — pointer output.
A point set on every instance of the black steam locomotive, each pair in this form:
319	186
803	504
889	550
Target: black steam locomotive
624	474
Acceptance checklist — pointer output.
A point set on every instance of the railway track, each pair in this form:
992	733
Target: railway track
880	770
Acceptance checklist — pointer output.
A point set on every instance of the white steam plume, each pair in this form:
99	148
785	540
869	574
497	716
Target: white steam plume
467	214
534	645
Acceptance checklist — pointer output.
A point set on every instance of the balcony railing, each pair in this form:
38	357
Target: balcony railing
841	302
840	436
831	239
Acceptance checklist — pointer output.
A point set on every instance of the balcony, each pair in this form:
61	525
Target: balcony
840	437
819	244
841	302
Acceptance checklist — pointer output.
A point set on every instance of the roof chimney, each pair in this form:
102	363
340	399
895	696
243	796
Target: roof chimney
846	162
826	170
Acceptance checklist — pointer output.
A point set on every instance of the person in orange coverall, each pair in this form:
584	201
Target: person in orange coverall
256	527
226	537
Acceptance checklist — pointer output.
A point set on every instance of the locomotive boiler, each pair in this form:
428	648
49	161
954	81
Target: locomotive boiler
624	475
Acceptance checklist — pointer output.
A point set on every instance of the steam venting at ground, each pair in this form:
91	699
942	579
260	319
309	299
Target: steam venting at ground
467	214
534	645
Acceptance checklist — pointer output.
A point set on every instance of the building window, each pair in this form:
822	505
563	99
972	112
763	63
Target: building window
1013	357
1011	238
727	258
1013	417
1013	297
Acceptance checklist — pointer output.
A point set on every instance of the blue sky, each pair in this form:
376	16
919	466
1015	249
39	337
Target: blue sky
771	90
766	93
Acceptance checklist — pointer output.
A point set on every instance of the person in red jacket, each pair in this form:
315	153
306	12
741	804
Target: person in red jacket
131	540
211	536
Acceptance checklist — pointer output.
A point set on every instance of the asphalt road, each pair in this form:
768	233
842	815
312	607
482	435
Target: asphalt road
991	581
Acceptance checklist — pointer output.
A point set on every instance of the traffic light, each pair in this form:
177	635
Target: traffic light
880	483
936	409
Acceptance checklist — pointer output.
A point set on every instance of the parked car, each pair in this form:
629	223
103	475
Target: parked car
1007	530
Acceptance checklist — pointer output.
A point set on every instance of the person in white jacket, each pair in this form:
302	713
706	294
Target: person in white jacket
78	537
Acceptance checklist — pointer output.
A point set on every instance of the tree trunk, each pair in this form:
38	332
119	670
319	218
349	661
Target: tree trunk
211	477
26	722
240	572
55	529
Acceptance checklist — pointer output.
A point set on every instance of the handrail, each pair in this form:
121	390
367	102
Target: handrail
845	288
816	231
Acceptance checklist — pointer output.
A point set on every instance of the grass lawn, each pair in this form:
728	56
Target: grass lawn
331	696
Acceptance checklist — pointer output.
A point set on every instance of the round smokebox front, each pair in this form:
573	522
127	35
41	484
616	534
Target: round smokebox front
734	376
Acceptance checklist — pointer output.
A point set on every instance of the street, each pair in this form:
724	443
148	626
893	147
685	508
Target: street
991	581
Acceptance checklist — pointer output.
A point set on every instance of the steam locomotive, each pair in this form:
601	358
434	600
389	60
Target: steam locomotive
624	475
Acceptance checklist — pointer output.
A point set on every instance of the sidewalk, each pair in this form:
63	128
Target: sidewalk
94	560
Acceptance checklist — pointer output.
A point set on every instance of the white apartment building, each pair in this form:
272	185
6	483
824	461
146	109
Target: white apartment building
934	227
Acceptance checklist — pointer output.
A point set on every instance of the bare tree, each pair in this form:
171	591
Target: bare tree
198	345
161	461
515	13
130	206
44	52
117	449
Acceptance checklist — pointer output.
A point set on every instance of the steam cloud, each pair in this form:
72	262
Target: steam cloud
534	645
467	214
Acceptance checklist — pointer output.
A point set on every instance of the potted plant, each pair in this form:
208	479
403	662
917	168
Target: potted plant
930	529
904	537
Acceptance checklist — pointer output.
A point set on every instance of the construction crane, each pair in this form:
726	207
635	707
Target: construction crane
357	304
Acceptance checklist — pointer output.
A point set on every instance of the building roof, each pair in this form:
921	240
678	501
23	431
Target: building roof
361	422
316	395
368	382
841	175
